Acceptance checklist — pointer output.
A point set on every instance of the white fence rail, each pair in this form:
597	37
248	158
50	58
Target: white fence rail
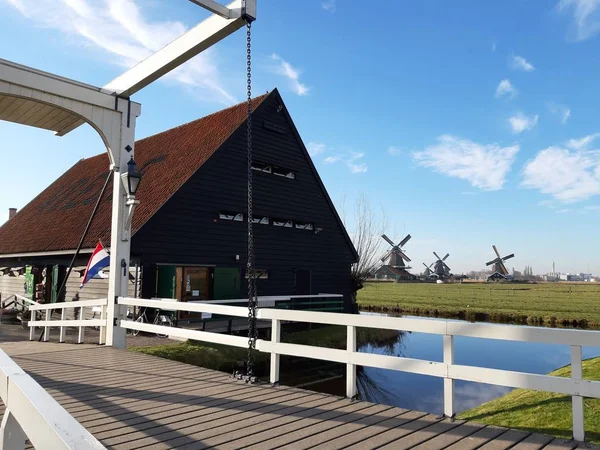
98	307
575	386
17	300
31	413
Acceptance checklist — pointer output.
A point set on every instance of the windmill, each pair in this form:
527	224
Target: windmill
427	272
440	268
396	256
499	267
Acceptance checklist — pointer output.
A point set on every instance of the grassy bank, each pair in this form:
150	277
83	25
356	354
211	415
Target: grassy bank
549	304
542	412
227	359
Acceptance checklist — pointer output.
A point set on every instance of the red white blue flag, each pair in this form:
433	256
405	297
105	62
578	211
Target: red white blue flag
99	260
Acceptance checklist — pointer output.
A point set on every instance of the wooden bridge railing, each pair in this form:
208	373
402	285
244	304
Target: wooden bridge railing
574	386
98	307
31	413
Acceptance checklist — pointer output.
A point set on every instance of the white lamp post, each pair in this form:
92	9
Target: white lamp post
131	180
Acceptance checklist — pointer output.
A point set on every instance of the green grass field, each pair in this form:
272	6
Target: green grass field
550	304
542	412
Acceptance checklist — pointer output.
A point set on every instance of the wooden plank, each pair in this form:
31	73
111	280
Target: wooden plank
533	442
188	436
288	422
393	433
446	439
478	439
506	440
348	439
561	444
423	435
325	432
194	417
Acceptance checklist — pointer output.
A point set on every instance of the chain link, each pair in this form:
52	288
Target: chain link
252	295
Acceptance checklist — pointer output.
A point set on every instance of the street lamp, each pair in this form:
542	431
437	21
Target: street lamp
131	181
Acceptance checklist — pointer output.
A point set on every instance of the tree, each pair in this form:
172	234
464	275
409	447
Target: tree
365	232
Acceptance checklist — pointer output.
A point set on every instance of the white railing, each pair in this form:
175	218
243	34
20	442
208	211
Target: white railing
269	301
98	307
31	413
16	299
575	386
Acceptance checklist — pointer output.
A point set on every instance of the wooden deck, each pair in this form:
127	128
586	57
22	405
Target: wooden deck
130	400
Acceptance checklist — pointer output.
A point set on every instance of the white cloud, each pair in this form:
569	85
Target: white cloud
316	148
329	5
352	161
582	143
568	176
520	122
520	63
493	46
287	70
119	30
563	112
485	166
586	17
393	150
505	88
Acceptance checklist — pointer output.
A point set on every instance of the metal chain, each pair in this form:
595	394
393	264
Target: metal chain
252	295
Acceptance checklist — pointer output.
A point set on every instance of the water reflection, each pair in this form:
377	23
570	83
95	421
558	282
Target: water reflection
425	393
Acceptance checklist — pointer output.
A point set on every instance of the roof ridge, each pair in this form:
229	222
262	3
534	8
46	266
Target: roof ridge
237	105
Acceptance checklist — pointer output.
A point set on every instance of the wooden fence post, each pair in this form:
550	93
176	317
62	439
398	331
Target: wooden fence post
350	368
448	382
275	338
577	375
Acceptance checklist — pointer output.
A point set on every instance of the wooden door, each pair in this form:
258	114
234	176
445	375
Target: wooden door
195	286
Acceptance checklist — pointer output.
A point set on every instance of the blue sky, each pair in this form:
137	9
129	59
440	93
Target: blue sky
469	123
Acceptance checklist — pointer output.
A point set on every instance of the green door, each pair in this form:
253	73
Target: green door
165	286
55	285
226	283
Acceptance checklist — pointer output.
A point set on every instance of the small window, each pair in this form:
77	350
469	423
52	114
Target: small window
261	274
262	167
261	220
281	172
282	223
305	226
236	217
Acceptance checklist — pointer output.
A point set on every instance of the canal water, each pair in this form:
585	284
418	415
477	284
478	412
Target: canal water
425	393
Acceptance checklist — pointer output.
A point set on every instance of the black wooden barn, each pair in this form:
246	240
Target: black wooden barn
189	231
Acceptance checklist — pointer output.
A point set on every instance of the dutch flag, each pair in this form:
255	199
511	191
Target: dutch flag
99	260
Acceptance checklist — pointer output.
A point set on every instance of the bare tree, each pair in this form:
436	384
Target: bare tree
365	232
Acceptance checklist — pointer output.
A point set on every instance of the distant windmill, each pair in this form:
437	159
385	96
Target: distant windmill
441	269
498	263
427	273
396	255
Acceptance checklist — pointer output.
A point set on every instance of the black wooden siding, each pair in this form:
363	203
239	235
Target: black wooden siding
187	229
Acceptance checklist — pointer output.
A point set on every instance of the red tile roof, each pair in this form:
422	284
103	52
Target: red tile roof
56	218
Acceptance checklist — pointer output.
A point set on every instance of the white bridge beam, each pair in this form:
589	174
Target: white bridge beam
195	41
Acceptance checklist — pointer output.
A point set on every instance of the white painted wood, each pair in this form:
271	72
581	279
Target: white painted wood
63	305
81	331
236	311
185	47
45	423
448	382
351	388
275	358
12	436
72	323
225	339
63	318
46	329
102	334
368	321
577	400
